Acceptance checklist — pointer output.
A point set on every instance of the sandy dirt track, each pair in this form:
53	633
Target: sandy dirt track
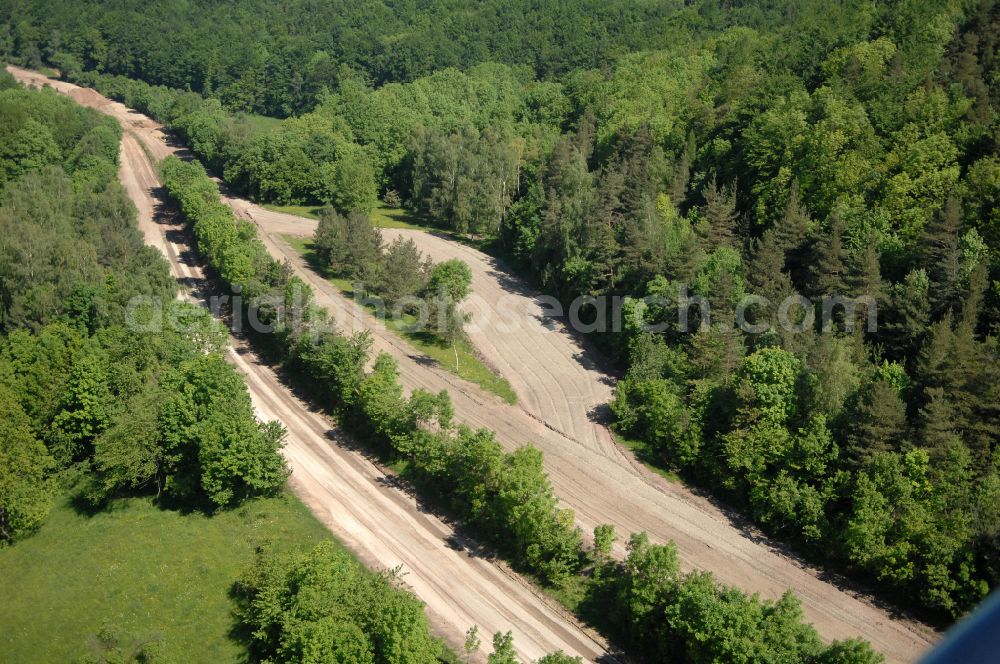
590	475
556	379
362	505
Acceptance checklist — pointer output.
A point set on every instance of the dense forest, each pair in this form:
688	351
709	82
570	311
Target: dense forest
282	58
777	149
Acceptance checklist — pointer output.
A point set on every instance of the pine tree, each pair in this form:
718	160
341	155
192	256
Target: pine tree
603	253
975	377
365	248
330	242
942	253
935	358
973	302
909	316
937	422
766	275
405	271
569	202
864	281
716	353
791	231
598	238
719	216
952	362
682	171
865	276
828	274
878	423
645	168
983	434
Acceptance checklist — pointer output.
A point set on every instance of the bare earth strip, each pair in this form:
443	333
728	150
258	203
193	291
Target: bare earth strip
558	389
381	523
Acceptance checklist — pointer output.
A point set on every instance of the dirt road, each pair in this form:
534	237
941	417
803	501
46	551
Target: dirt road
556	379
596	479
362	505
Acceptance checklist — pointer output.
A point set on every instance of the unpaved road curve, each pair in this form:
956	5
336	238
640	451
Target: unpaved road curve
358	502
556	379
601	484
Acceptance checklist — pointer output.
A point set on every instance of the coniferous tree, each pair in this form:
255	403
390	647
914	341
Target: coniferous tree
682	171
972	304
865	276
864	281
828	272
984	387
878	423
934	361
569	203
405	271
718	223
975	377
909	316
955	364
716	352
644	167
937	422
603	255
330	241
365	254
941	253
791	231
766	275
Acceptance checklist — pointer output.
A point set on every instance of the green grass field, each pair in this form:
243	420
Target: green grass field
647	457
470	366
382	216
261	123
390	217
149	572
307	211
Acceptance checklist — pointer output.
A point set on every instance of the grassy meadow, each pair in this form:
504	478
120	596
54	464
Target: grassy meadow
382	216
147	572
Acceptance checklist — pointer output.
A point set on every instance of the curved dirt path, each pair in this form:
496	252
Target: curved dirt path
597	480
556	379
353	497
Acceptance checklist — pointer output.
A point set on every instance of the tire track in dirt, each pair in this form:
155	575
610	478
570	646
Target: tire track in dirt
590	475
